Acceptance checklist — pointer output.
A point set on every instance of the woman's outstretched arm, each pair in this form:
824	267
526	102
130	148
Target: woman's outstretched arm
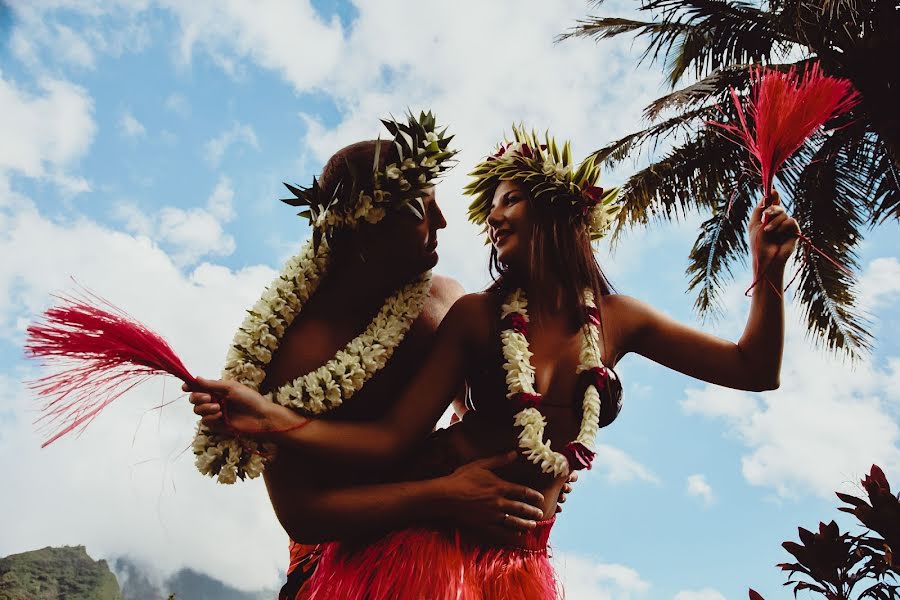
754	361
409	421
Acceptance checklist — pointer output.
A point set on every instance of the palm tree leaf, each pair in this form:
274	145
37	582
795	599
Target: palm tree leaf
885	184
721	243
692	176
830	205
617	151
716	87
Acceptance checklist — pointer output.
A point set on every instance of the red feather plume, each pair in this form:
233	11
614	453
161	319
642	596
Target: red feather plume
103	353
783	110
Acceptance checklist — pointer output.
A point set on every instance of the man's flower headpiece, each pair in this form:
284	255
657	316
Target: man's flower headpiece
423	156
549	175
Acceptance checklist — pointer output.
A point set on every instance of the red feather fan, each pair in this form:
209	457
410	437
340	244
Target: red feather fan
103	353
783	110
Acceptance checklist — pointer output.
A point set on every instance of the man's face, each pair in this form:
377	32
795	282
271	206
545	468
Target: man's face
404	240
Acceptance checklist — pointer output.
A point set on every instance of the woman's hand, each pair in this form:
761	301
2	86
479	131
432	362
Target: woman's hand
246	411
477	498
566	489
773	235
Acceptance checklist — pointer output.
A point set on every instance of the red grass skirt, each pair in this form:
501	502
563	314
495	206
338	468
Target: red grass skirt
425	564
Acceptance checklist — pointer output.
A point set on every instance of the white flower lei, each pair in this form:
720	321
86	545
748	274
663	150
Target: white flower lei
318	391
520	380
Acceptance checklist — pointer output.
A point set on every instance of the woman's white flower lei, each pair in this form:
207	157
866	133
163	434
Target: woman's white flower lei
318	391
520	380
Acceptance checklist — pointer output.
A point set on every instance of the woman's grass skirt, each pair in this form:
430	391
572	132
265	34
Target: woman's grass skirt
426	564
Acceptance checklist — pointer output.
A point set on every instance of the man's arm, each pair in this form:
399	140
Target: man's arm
472	495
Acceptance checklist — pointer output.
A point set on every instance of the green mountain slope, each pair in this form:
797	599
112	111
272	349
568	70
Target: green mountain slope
56	573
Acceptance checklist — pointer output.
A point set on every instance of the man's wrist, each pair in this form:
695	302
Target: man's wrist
437	500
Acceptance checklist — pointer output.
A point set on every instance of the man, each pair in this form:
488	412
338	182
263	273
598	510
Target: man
370	257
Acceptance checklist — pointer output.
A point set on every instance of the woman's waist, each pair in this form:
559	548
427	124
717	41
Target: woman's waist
532	540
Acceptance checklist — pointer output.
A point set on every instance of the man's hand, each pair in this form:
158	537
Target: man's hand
246	411
477	498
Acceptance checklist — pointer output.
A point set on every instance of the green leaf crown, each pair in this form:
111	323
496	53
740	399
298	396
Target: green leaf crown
423	156
549	175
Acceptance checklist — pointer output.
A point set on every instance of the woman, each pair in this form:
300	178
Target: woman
537	352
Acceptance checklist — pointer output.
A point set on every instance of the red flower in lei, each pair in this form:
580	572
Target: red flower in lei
517	323
591	196
592	316
596	377
525	400
579	456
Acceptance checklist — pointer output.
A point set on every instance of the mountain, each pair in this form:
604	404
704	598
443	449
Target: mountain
53	573
185	584
68	573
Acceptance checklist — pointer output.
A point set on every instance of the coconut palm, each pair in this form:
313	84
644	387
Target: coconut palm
841	183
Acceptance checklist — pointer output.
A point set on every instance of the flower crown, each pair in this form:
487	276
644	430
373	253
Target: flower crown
549	175
423	156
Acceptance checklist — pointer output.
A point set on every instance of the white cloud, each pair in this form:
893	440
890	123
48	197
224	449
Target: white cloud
72	48
618	467
47	133
288	38
699	487
189	233
127	485
829	421
215	148
178	104
130	126
702	594
880	284
219	203
586	579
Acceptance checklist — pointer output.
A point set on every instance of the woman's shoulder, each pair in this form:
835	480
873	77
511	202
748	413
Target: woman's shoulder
622	307
475	304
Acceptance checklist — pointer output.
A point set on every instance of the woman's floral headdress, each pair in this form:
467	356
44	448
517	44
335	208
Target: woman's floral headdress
423	156
549	175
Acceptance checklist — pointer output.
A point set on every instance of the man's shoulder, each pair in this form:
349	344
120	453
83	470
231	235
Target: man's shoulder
446	288
445	291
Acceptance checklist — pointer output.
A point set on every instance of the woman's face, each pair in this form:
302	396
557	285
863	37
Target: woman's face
509	224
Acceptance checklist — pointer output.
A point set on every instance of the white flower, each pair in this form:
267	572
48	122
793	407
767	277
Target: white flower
408	164
392	171
431	137
520	378
404	185
319	391
227	475
429	163
375	215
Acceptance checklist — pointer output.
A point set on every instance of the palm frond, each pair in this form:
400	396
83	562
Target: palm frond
829	204
884	180
692	176
617	151
713	88
721	243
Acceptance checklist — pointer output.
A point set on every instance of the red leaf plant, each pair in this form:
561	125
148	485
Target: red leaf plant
835	563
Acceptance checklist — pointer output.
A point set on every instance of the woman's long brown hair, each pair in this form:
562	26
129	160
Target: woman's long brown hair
560	252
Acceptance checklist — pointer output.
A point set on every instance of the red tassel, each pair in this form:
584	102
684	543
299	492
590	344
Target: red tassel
103	352
785	109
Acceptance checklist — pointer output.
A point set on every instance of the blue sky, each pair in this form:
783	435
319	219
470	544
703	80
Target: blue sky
143	149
